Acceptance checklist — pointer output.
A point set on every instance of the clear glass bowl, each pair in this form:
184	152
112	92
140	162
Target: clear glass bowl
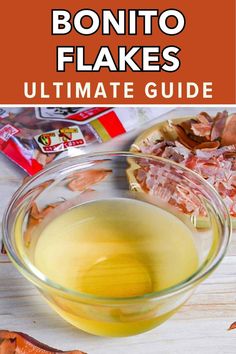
77	180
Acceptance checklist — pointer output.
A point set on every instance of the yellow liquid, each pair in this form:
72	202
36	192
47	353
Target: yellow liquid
115	248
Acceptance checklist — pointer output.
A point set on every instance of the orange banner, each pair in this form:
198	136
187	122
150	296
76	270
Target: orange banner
123	52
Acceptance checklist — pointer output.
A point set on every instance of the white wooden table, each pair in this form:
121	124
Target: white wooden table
199	327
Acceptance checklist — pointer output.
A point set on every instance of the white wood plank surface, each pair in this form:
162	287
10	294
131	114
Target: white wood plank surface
199	327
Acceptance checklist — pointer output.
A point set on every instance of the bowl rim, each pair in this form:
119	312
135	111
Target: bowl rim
41	281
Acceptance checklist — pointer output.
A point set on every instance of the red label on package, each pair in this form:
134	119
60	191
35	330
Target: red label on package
60	139
80	115
7	132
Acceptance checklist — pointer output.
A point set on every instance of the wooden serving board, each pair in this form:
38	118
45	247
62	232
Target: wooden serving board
162	130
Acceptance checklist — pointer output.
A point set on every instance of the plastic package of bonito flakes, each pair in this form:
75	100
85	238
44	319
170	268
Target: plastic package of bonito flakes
34	137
